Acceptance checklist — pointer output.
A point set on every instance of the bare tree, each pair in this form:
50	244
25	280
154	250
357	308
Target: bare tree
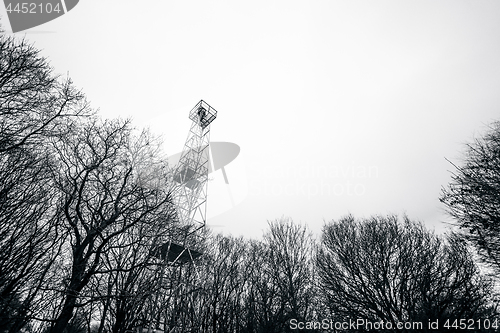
34	103
26	228
105	194
280	285
381	269
225	277
473	195
128	280
289	252
34	106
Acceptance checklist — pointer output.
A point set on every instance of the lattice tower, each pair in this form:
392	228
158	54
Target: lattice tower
190	198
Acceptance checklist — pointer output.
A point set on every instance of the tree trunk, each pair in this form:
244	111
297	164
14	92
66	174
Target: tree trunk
66	314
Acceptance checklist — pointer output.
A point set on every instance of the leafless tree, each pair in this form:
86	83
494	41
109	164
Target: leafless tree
35	105
128	280
225	274
280	285
473	196
26	227
289	252
382	269
106	192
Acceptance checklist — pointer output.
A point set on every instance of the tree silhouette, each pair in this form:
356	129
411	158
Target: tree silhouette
383	269
106	194
35	106
473	195
34	103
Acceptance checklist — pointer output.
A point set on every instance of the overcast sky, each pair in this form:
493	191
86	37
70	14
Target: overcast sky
338	106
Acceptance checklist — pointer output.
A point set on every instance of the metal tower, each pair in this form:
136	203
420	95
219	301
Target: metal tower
191	174
190	197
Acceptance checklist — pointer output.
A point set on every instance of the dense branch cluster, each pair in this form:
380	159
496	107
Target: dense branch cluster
380	269
473	195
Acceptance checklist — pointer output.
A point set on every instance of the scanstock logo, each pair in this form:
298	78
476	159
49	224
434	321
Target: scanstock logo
31	13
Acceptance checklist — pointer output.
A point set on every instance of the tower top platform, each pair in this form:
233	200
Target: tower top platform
203	114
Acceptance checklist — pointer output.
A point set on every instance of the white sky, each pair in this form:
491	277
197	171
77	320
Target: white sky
338	106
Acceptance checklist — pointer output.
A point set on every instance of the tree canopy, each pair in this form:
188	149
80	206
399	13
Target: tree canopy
384	269
472	197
